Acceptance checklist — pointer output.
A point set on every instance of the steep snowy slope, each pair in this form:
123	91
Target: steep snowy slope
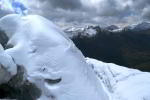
123	83
50	59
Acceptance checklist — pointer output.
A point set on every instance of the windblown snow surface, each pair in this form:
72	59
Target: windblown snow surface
123	83
59	69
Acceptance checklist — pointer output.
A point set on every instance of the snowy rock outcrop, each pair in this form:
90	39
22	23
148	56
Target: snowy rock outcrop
7	67
50	59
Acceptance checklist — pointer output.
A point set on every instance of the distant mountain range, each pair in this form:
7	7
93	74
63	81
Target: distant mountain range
92	30
127	46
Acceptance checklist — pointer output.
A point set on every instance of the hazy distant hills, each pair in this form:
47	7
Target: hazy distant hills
129	46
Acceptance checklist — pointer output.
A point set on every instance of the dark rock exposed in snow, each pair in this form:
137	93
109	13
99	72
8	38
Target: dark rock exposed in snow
112	27
19	87
3	38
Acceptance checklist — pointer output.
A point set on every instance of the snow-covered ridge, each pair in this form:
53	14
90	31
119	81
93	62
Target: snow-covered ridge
142	26
123	83
50	58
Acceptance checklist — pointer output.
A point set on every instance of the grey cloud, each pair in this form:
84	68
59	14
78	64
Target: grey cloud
3	13
72	11
65	4
140	4
107	9
104	12
146	12
142	8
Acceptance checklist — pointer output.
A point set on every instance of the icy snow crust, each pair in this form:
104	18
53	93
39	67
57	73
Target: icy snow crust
121	82
47	54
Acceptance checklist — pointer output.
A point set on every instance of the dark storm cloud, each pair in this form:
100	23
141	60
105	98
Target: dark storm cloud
106	11
65	4
111	8
142	7
110	11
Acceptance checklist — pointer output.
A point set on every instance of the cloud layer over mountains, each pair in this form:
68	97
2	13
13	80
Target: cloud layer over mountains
102	12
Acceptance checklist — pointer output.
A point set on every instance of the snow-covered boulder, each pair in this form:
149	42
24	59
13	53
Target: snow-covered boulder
7	66
50	59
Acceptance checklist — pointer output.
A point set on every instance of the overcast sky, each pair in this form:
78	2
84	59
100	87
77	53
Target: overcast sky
102	12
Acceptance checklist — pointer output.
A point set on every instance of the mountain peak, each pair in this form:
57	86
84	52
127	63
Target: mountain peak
88	30
112	27
142	26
